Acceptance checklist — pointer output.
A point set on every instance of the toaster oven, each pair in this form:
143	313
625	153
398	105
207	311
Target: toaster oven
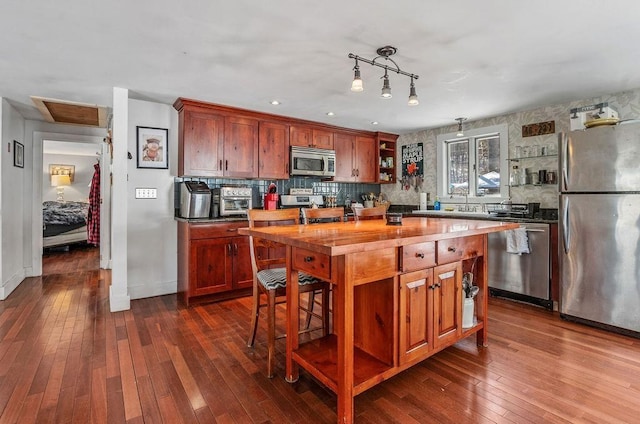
231	201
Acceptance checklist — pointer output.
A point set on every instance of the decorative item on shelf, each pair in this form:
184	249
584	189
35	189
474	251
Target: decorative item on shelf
592	116
385	53
540	128
460	132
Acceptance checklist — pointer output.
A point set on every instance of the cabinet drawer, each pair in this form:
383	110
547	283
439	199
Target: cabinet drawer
418	256
461	248
313	263
215	229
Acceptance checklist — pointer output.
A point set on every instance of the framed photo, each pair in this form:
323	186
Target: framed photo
18	154
152	147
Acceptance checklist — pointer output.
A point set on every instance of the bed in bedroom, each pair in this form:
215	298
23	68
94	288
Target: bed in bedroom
64	223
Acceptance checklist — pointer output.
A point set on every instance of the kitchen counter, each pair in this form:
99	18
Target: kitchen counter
481	216
210	220
396	295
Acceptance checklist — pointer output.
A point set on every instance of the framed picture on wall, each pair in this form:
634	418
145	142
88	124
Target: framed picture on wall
18	154
152	147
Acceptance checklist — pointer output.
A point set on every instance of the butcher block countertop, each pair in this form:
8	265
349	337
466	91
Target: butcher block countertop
342	238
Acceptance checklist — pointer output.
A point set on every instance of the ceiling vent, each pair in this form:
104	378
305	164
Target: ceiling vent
71	113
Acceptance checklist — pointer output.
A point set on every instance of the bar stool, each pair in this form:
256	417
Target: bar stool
268	261
377	212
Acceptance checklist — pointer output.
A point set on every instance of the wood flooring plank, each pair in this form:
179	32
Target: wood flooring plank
64	357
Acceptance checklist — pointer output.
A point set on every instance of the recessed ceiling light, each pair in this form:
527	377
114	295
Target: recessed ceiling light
330	114
374	122
275	102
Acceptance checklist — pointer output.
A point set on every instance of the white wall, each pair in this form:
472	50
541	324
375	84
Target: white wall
151	228
14	200
78	191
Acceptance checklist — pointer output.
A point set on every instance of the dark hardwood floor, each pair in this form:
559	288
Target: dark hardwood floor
65	358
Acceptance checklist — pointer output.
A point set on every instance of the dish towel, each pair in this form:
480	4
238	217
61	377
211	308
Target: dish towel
518	241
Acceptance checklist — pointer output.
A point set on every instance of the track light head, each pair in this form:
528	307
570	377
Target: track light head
356	85
386	87
413	97
460	132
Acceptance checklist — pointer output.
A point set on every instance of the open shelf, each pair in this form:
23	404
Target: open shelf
320	358
531	157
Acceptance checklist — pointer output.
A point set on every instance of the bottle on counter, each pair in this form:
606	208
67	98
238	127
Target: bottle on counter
436	204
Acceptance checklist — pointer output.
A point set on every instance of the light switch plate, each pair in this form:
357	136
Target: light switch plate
146	193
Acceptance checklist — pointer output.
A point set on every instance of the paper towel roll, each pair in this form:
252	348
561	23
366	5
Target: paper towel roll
423	201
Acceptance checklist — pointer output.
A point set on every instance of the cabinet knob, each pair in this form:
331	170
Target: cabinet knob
308	258
420	255
451	248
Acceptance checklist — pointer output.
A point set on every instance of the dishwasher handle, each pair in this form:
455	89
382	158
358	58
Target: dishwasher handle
531	230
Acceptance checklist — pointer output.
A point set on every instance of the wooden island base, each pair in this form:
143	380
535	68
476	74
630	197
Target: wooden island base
397	293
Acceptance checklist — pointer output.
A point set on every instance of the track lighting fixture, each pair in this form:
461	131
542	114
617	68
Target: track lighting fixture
460	132
384	53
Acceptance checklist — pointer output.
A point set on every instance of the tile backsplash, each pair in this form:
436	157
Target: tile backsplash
345	192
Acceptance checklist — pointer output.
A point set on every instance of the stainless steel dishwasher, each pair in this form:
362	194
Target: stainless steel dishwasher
524	277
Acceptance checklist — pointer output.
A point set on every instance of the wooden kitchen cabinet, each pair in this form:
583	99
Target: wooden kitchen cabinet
214	262
200	143
447	304
355	158
430	310
416	315
273	156
240	147
307	136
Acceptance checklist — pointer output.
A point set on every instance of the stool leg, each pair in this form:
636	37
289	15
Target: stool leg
325	309
310	306
255	312
271	337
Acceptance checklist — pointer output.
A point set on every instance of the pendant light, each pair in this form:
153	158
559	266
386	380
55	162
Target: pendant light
356	85
460	132
386	88
413	97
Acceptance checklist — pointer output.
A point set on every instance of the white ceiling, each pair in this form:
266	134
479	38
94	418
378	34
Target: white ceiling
475	59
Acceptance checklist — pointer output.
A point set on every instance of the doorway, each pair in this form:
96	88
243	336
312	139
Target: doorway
100	151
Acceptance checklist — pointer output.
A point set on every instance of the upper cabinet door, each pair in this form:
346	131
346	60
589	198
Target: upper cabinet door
241	147
201	144
322	139
365	159
300	136
343	145
273	156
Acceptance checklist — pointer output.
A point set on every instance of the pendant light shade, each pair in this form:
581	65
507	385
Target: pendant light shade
460	131
386	88
413	97
356	84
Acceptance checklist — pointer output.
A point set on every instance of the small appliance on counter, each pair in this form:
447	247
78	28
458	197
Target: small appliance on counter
230	200
301	200
195	199
271	198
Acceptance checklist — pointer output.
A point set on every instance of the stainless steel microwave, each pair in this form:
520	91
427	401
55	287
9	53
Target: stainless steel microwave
306	161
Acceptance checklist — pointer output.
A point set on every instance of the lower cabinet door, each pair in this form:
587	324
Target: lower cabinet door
242	272
416	329
211	266
447	304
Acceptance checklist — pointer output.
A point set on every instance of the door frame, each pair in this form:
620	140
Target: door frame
105	194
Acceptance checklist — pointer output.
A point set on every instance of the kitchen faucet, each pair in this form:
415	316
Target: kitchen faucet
466	208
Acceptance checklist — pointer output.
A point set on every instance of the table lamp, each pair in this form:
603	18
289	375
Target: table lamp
59	181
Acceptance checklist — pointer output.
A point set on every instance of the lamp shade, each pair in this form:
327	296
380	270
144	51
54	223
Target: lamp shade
60	180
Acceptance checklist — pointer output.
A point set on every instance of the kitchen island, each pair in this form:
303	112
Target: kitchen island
397	293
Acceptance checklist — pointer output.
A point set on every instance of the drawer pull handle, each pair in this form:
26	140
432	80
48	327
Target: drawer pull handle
231	230
451	248
420	255
308	258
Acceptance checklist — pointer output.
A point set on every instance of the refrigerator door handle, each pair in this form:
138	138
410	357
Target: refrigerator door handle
528	230
565	164
566	238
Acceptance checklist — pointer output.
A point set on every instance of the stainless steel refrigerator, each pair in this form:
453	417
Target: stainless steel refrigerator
600	226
